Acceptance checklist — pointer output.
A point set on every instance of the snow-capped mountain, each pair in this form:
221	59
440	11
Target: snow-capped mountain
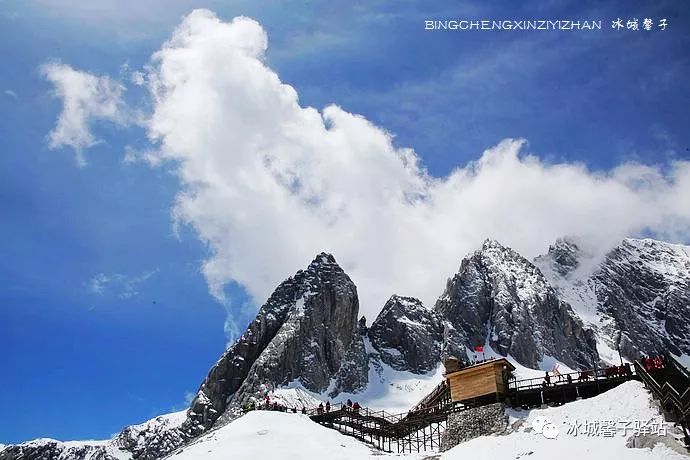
500	298
301	333
144	441
637	298
306	343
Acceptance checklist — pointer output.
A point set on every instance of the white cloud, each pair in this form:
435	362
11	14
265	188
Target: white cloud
268	183
123	286
138	78
11	93
85	98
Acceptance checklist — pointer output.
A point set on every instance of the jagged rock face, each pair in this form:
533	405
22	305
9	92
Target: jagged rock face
500	295
644	286
152	439
52	450
563	256
407	335
302	332
353	375
637	298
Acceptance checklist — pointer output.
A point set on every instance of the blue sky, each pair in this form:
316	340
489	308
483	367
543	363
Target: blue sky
105	316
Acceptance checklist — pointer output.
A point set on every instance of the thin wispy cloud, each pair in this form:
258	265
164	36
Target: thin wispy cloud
116	284
85	98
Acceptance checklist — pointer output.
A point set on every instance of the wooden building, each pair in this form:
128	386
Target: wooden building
480	383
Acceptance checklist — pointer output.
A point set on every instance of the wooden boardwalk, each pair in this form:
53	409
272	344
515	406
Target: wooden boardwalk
421	428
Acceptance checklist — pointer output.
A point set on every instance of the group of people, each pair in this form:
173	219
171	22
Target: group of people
584	376
349	405
273	406
653	364
277	406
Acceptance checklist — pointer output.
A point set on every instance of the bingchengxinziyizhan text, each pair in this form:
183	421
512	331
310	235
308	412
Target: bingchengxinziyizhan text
618	24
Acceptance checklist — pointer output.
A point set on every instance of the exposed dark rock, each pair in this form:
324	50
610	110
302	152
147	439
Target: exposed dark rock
407	335
152	439
637	298
644	286
500	296
353	375
563	255
301	333
53	450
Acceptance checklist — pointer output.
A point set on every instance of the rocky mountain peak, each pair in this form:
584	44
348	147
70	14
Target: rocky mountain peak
500	297
643	292
563	256
323	259
301	333
407	335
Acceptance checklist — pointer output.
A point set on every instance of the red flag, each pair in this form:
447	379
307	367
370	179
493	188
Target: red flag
479	349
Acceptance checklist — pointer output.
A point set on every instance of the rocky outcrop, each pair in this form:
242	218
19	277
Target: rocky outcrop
407	335
564	256
48	449
302	332
152	439
644	286
501	298
472	423
353	375
637	297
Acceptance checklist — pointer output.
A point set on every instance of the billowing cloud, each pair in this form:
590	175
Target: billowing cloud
85	98
268	183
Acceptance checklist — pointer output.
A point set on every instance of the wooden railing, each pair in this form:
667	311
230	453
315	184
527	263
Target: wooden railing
675	401
437	393
589	375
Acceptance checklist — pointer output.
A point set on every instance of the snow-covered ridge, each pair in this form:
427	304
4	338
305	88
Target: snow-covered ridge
636	297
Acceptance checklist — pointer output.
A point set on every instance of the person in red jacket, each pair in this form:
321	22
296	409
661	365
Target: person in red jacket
356	406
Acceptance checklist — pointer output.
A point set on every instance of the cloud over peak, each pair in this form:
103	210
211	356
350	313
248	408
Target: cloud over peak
267	183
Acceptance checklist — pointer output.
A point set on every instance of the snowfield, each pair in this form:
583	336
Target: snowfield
630	401
274	435
277	435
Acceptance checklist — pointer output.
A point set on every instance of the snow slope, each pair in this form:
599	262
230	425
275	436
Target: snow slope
629	401
388	389
265	434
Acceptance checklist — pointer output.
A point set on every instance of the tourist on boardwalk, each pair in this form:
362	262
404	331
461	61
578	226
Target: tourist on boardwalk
349	403
547	380
319	410
328	406
356	406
